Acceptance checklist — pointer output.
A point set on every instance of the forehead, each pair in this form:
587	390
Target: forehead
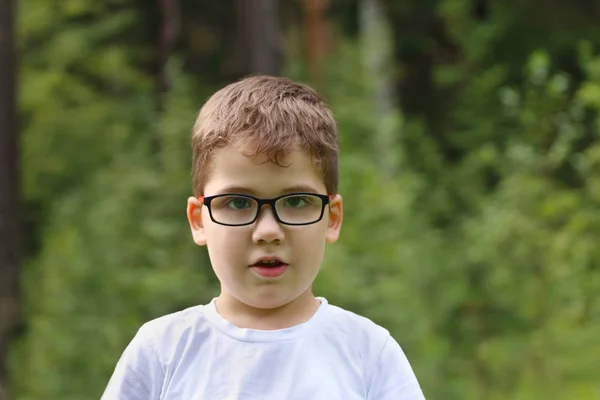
234	167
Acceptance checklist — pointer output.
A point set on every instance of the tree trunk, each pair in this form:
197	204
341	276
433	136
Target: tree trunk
377	49
316	37
9	190
170	29
260	34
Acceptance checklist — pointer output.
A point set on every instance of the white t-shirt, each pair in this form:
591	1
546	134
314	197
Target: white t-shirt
198	354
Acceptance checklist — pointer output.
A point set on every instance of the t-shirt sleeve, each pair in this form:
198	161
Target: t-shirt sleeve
139	373
393	377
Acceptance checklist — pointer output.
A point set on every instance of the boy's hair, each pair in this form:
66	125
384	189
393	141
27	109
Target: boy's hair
276	116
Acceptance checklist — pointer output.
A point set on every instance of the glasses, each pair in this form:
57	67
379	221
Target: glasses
289	209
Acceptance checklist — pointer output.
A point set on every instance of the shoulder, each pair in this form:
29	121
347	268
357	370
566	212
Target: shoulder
349	324
176	323
166	333
141	369
386	370
358	338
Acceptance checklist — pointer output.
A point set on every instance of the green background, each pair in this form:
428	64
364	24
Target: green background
472	216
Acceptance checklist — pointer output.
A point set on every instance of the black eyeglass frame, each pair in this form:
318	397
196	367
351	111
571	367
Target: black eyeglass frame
325	200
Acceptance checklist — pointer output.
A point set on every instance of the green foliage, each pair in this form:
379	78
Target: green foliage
115	248
116	253
479	254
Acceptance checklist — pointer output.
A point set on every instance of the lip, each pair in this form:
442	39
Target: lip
269	272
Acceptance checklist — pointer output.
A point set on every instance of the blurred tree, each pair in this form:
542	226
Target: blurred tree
9	190
379	66
88	94
169	32
259	21
316	37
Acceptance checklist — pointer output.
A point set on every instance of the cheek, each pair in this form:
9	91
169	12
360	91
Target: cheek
225	243
311	241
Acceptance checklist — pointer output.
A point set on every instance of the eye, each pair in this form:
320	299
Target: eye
238	203
296	201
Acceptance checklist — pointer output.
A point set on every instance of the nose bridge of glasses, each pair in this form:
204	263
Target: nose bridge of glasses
266	210
266	204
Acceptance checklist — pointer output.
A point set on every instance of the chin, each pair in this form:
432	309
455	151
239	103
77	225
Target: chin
267	301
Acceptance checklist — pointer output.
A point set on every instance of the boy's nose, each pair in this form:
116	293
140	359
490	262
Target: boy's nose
267	229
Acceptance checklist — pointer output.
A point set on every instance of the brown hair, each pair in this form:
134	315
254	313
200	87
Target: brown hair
276	115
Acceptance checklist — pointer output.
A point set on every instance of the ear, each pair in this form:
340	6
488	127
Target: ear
194	214
335	219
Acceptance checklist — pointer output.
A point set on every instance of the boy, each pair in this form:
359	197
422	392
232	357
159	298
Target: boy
265	203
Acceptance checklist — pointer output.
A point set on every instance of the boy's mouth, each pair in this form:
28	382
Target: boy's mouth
269	267
268	262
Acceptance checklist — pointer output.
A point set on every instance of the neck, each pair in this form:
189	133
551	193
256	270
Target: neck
293	313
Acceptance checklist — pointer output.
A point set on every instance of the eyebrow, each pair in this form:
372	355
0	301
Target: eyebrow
291	189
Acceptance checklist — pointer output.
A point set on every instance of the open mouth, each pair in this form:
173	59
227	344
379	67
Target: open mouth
269	263
269	268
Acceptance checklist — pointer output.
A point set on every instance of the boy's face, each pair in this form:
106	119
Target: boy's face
235	250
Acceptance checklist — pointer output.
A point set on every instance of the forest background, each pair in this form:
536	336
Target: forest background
470	168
